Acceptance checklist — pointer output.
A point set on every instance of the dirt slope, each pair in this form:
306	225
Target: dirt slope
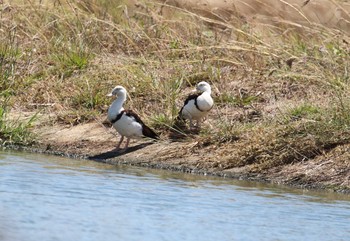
97	142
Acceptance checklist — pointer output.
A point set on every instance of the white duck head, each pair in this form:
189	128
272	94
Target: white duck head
118	91
203	87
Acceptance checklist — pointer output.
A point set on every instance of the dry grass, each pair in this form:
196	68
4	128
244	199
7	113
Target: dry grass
281	94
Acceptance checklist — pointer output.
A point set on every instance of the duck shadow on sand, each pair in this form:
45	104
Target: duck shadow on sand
180	134
116	153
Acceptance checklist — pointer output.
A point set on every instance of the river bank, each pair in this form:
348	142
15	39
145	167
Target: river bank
96	141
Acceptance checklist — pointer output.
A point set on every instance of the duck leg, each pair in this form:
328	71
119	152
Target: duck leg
127	143
120	142
199	123
191	124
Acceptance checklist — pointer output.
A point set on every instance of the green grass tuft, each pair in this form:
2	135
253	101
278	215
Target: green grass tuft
15	132
304	110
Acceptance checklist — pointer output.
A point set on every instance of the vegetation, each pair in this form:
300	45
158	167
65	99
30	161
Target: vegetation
12	131
281	94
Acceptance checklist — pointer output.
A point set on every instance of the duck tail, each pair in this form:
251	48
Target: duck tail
148	132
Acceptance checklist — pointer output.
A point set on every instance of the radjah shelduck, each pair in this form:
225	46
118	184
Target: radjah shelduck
127	123
197	106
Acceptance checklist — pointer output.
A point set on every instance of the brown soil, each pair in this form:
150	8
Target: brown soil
97	141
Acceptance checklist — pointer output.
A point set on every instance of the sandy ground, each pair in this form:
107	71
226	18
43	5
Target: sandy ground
97	142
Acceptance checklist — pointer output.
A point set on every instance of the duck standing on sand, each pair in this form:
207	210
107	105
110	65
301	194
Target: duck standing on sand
127	122
197	106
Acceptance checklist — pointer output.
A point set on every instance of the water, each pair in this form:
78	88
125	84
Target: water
51	198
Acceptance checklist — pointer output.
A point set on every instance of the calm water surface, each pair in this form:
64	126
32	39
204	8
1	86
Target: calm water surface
50	198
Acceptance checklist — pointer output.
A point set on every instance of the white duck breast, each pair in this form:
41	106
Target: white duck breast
128	126
198	107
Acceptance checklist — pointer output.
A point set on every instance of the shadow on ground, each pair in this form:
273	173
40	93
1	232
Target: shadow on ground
116	153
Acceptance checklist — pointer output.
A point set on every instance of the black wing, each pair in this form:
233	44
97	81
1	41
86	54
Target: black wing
146	131
190	97
118	117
